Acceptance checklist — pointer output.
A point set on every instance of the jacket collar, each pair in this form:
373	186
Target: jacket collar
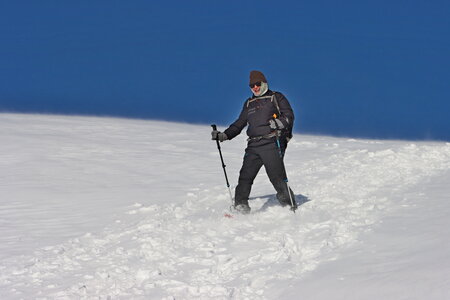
268	93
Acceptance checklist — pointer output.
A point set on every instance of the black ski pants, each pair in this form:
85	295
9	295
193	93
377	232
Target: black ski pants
257	154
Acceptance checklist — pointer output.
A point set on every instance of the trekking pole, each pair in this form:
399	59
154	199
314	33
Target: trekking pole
282	163
214	127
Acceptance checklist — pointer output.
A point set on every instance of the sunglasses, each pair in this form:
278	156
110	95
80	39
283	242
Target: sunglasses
251	85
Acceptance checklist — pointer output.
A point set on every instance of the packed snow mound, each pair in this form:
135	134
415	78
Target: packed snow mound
115	208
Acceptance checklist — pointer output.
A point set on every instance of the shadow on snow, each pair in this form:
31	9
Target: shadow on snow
273	201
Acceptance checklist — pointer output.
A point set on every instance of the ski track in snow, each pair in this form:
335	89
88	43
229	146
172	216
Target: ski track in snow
187	249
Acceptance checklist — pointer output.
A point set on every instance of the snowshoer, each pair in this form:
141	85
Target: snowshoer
270	120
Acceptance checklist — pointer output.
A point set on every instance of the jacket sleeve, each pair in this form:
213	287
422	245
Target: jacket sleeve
287	114
237	126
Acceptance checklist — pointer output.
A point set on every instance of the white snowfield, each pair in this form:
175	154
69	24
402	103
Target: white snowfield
104	208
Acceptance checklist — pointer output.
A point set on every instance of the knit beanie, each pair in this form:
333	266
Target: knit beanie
256	76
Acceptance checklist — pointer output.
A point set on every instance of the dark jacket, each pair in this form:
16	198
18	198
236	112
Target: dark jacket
257	112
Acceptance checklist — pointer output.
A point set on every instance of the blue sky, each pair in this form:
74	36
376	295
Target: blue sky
378	69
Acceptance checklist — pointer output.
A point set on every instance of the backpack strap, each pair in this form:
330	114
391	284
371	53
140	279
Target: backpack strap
274	101
258	98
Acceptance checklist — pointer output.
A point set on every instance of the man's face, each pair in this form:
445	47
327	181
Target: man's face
256	88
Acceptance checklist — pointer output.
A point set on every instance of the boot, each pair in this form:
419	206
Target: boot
284	200
242	209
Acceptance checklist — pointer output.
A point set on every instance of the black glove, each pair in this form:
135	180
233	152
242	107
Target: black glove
217	135
276	124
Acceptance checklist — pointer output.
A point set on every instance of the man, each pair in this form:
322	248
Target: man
270	120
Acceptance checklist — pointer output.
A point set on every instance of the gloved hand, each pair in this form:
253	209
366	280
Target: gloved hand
217	135
276	124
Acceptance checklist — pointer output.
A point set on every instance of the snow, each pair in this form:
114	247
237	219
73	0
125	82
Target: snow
111	208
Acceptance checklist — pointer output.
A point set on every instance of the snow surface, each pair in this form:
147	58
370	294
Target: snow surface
104	208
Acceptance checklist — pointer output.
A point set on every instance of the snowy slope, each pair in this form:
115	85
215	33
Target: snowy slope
115	208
